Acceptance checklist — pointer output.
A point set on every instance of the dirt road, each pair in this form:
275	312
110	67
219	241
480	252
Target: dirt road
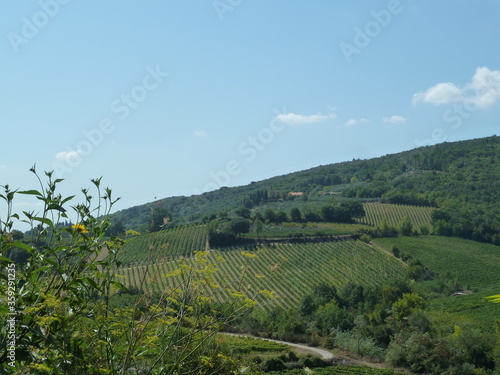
325	354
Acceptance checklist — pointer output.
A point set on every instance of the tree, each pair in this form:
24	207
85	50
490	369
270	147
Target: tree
116	228
420	353
160	218
351	294
240	225
295	215
331	315
308	305
270	215
406	306
355	208
280	217
405	226
311	216
473	345
258	227
324	293
384	230
243	212
328	213
17	235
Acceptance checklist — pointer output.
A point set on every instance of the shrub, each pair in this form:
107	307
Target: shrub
65	322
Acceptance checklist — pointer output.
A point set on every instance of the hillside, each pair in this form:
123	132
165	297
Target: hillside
468	264
297	268
303	265
388	297
460	178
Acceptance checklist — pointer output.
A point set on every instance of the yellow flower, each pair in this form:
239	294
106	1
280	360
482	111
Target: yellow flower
80	228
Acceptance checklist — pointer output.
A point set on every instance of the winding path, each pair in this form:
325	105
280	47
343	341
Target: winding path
325	354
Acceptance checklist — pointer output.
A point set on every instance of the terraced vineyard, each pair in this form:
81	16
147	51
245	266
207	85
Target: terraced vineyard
164	245
288	270
376	211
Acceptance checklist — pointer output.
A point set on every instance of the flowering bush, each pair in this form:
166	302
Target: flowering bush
58	300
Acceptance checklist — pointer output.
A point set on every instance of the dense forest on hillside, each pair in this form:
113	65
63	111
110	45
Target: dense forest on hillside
459	178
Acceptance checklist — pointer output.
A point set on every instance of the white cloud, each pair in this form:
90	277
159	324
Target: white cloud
482	92
296	119
442	93
485	85
395	119
201	133
65	156
354	121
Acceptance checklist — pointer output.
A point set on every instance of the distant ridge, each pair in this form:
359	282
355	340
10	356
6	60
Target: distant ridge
460	176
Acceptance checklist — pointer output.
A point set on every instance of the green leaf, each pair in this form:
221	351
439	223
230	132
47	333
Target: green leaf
22	245
67	199
120	286
91	282
30	192
34	275
57	207
44	220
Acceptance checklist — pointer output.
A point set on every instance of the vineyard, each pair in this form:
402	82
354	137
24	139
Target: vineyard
288	270
473	264
376	211
163	246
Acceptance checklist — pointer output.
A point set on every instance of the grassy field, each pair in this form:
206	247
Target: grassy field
376	211
474	265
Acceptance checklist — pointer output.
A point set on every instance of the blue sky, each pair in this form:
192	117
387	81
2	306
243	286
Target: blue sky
166	98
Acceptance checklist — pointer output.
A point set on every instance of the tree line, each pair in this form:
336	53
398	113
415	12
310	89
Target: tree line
223	230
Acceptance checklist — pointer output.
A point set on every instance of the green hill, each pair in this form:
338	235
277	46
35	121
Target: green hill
459	178
473	265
